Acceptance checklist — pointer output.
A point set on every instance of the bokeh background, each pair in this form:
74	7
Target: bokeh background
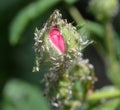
20	88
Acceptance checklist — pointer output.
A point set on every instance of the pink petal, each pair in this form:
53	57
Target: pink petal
57	39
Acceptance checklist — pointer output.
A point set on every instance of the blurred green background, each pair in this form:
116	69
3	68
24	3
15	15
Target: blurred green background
20	88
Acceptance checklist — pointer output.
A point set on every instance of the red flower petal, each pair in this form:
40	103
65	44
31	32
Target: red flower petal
57	39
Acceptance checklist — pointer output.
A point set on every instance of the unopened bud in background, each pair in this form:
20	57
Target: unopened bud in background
103	9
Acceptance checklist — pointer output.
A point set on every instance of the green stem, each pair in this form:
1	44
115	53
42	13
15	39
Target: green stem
109	40
76	15
103	95
113	66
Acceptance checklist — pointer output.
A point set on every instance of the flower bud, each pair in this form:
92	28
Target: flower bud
56	40
58	52
103	9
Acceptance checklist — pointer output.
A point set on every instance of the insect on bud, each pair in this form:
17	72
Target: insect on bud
58	48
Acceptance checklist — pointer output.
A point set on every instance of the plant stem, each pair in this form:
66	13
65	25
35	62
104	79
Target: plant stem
110	55
113	66
76	15
109	40
103	95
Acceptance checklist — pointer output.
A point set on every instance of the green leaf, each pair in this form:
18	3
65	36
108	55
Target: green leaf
19	95
26	15
95	28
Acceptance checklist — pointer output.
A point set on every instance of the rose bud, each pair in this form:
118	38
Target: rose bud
58	48
56	41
